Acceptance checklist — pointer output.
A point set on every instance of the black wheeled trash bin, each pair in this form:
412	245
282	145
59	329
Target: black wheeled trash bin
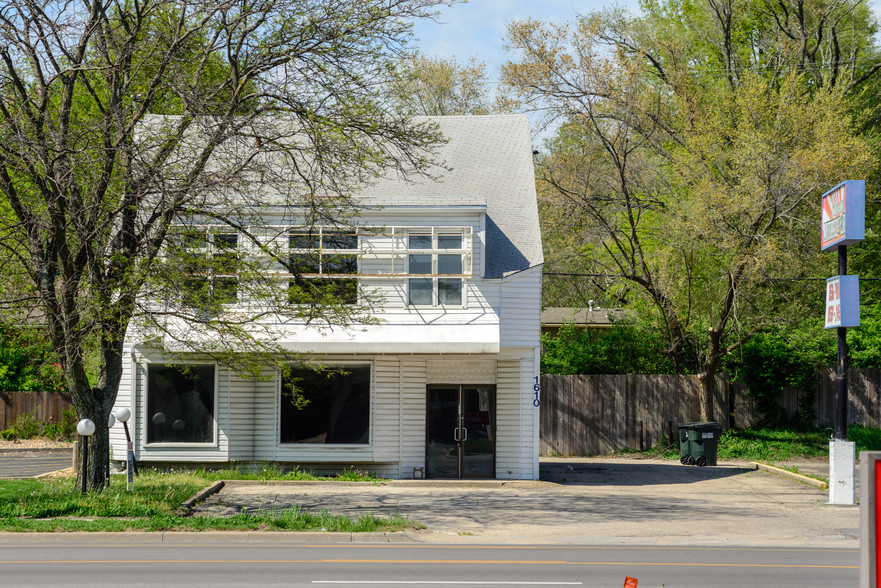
699	443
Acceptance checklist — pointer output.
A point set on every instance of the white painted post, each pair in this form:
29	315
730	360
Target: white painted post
842	489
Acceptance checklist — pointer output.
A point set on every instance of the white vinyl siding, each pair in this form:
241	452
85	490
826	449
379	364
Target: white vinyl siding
413	391
386	407
520	315
508	420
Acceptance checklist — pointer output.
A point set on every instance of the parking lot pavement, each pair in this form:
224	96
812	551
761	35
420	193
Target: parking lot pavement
29	464
588	501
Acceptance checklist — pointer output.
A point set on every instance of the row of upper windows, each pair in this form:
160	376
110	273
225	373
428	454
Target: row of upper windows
330	258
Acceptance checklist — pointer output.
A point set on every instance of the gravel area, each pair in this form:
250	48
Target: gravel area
38	443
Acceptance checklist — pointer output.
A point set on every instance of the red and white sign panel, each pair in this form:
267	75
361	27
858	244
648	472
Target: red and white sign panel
843	215
842	302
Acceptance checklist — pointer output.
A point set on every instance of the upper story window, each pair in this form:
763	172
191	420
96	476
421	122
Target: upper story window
324	260
213	261
440	257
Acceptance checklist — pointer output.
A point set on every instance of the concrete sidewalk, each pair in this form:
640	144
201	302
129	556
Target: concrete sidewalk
587	501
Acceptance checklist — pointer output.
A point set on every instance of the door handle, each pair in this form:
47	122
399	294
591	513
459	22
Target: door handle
456	434
465	431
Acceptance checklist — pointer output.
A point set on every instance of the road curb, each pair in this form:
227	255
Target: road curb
187	506
792	475
36	450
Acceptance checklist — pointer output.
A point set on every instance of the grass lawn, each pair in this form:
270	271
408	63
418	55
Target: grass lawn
56	505
776	444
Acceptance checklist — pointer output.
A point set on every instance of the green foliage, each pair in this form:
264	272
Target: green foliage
622	349
774	444
27	363
24	427
65	430
770	361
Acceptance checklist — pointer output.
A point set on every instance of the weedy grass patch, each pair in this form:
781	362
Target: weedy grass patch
772	444
152	505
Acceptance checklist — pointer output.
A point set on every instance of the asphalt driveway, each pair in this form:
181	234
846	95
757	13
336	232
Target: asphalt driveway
28	464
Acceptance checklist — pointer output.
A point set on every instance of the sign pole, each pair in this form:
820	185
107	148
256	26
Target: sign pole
842	223
840	429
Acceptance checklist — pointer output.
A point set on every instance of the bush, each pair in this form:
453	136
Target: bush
25	427
65	430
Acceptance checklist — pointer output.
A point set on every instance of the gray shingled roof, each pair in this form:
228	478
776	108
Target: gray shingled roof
489	157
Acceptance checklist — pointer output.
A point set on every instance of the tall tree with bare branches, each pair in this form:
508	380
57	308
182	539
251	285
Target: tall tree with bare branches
121	120
695	141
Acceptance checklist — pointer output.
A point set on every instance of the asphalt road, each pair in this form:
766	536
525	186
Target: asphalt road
206	560
27	464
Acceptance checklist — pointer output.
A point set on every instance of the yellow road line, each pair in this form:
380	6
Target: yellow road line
428	561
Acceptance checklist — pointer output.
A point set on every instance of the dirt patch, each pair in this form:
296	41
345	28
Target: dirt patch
36	443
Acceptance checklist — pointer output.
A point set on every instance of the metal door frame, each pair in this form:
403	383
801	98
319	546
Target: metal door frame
460	425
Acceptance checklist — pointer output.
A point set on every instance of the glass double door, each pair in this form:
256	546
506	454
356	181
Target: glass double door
461	432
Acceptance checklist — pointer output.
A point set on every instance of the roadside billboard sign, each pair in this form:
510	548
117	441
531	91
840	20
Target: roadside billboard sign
842	301
843	215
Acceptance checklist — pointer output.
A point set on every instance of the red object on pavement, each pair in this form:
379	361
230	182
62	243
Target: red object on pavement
630	582
877	553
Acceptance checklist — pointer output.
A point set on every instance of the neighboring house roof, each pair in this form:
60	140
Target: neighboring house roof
580	317
490	157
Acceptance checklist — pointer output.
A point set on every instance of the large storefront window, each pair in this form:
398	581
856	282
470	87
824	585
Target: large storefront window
180	404
333	406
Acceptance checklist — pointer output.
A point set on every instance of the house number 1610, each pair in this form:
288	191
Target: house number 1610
537	389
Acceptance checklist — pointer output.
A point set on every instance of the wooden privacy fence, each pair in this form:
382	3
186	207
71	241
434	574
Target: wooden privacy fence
48	406
595	415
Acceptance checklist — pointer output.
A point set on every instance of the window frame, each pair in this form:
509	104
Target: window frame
318	235
435	251
209	251
144	384
370	414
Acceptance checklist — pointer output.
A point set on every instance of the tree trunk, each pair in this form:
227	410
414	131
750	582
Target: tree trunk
99	454
708	395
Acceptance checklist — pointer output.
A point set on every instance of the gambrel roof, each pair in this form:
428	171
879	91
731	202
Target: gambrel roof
490	160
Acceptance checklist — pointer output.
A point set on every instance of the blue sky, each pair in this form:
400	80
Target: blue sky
477	28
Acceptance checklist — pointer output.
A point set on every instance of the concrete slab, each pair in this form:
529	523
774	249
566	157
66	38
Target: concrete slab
588	501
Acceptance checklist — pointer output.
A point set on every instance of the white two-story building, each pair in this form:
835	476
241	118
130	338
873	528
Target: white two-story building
444	383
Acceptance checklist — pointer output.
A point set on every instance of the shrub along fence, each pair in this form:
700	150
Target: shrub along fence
595	415
47	406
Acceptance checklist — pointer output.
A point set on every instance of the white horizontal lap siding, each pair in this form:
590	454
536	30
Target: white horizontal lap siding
521	309
386	422
412	382
509	420
529	418
390	296
123	399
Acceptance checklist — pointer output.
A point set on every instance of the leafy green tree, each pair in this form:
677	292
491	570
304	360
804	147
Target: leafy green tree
695	143
270	99
622	349
27	363
434	86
